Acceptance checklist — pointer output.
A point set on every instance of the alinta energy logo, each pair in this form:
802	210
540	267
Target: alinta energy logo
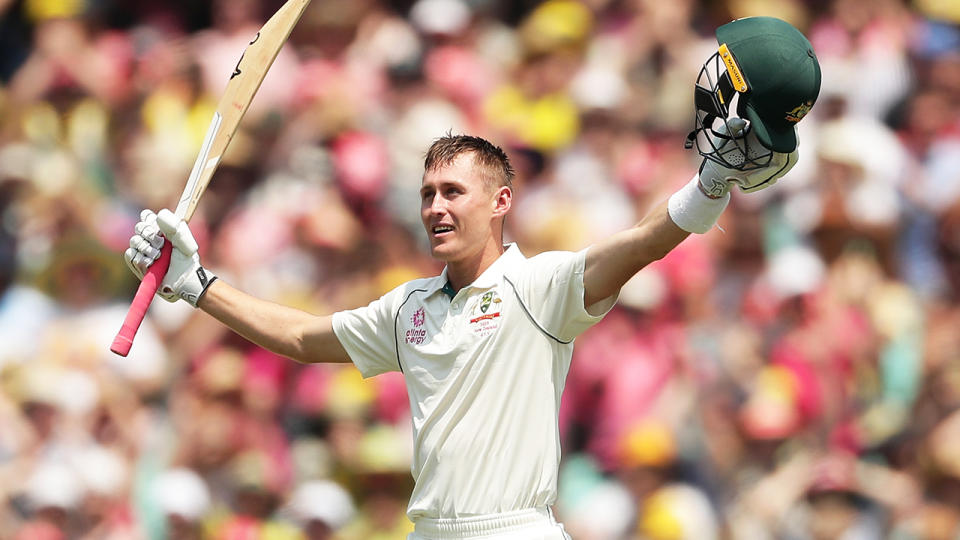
417	335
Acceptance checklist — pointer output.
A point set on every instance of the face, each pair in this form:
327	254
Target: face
460	209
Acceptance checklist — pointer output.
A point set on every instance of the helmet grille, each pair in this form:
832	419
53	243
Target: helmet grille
720	134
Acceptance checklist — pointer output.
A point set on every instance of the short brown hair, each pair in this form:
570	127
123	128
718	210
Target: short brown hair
488	156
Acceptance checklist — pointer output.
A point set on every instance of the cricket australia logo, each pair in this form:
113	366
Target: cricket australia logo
799	112
417	335
485	315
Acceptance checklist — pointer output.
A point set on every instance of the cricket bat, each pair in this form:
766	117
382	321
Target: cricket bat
242	86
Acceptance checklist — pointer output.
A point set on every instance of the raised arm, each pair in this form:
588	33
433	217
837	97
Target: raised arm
695	208
290	332
613	261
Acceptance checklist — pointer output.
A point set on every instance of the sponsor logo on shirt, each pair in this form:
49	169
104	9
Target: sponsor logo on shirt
418	318
417	335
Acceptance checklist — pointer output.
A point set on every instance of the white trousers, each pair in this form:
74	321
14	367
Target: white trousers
533	524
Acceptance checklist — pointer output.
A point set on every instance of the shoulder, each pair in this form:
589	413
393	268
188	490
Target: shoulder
552	259
429	283
548	267
405	290
390	303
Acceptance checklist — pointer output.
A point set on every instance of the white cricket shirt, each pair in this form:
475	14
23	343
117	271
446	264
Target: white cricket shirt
484	372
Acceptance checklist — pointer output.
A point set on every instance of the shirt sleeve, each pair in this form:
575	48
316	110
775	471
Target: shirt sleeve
551	287
367	334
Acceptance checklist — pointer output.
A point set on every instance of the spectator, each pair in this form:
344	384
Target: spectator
795	374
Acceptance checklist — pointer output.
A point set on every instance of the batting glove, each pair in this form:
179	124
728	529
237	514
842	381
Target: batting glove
716	180
185	278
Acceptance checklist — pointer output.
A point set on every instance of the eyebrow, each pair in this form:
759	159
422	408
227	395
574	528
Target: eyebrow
442	183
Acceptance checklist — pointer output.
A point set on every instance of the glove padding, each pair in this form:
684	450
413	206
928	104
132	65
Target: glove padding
716	180
145	245
185	278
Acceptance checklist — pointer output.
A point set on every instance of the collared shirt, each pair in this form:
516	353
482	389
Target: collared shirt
484	372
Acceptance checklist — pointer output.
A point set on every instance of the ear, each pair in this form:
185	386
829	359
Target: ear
502	200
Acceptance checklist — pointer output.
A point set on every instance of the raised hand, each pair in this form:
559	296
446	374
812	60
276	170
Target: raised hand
186	278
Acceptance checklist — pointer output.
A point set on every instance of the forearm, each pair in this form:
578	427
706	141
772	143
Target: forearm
286	331
614	261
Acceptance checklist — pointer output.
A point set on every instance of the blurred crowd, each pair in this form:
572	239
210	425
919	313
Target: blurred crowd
794	373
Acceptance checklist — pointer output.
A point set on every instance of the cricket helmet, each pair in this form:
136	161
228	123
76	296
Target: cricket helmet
764	78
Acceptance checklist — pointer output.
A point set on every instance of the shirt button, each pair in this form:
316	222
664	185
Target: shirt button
456	305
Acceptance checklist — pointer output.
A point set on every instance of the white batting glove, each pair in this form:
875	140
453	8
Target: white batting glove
185	278
145	244
717	180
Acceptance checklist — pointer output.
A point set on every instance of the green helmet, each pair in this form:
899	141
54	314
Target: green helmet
767	77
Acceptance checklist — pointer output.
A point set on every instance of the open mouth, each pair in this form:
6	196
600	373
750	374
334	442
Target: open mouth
439	230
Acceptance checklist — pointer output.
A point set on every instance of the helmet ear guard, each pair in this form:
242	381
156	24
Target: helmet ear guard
720	133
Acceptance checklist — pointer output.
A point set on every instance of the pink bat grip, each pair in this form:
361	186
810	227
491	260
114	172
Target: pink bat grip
138	308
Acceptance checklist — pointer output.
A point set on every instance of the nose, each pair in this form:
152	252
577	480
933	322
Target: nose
438	205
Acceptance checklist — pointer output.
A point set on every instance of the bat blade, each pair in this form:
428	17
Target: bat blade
238	94
242	86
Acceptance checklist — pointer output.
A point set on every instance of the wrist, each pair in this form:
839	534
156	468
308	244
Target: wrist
694	210
195	285
187	280
207	296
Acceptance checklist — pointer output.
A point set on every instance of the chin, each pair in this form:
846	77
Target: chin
443	252
439	253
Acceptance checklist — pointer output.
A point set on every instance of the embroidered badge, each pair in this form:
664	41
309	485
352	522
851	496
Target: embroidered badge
485	316
486	300
799	112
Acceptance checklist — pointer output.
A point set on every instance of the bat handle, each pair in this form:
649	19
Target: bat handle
141	301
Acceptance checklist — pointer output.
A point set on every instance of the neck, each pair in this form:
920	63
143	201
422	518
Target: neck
462	273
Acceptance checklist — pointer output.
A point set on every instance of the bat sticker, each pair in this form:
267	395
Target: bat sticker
236	70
